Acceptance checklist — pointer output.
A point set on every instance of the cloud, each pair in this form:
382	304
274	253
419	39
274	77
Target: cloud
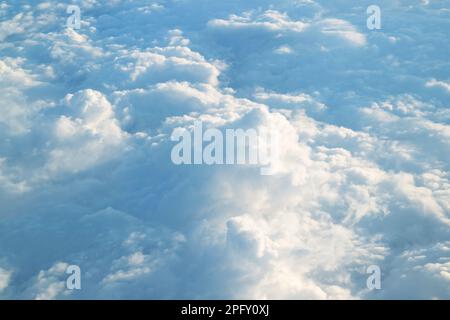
420	273
275	22
440	84
270	20
168	63
343	29
289	101
92	131
5	277
14	79
49	284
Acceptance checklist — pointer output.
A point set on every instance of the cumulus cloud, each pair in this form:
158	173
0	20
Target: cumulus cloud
93	131
440	84
343	29
270	20
5	277
49	284
362	174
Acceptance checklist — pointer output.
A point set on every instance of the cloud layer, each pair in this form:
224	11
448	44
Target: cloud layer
86	177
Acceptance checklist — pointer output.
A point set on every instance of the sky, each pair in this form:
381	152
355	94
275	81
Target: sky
362	178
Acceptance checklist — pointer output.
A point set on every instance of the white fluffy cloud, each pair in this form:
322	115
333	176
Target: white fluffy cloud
5	277
86	176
